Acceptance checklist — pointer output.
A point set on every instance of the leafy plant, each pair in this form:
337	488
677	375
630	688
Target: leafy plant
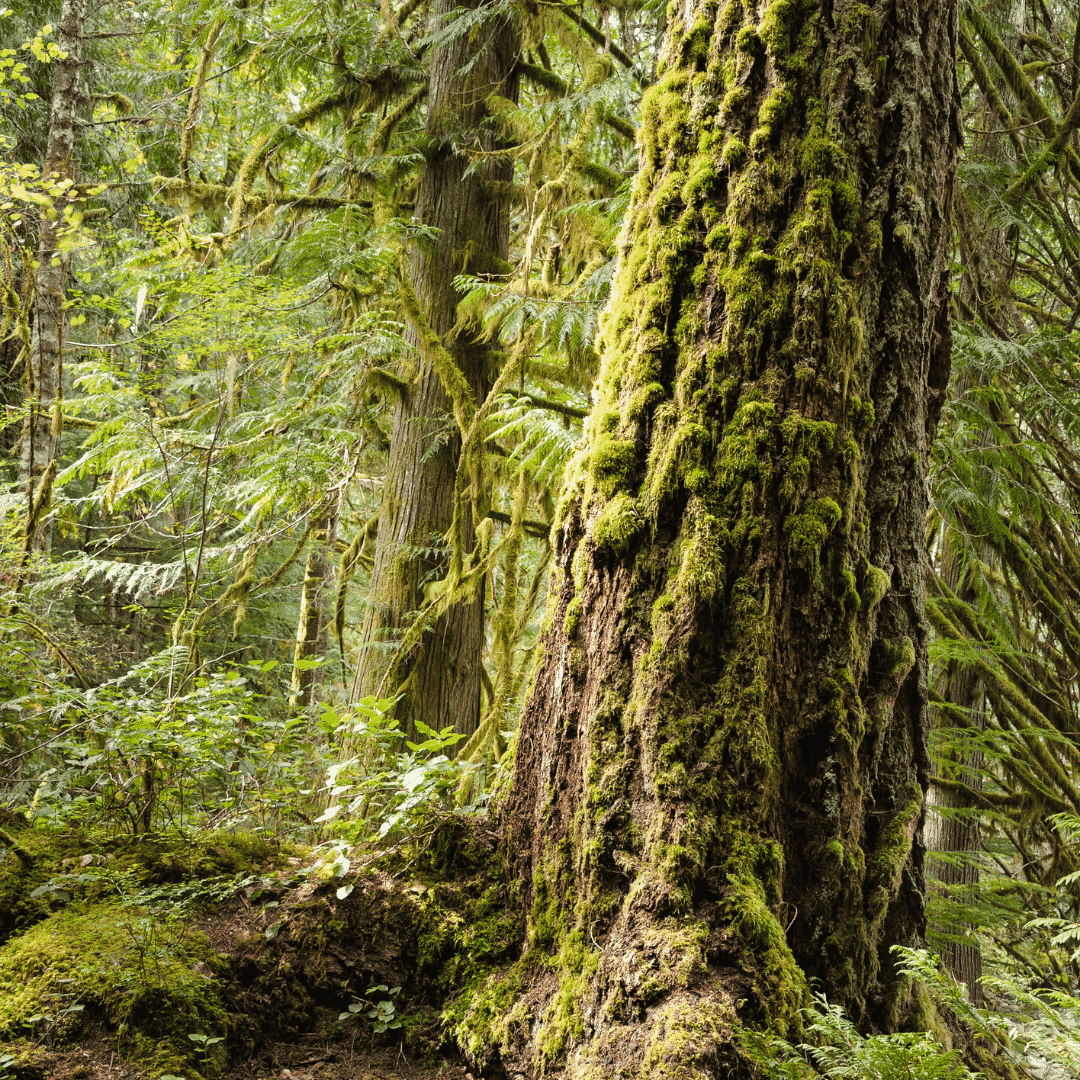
836	1049
204	1043
389	785
381	1013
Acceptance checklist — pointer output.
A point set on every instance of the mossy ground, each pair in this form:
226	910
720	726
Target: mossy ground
130	947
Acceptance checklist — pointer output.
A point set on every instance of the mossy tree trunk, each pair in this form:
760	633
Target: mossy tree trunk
466	202
41	434
313	623
721	767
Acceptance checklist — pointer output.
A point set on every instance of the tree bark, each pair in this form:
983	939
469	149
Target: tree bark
957	837
720	771
41	435
959	840
312	625
461	198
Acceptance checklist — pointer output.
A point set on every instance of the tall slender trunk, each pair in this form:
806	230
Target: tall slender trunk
957	839
41	436
721	768
313	622
465	202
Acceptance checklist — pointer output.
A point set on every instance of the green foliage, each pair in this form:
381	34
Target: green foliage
390	785
835	1048
236	348
379	1011
140	759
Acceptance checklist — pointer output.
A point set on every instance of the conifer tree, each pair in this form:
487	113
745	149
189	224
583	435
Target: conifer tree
720	771
463	198
41	434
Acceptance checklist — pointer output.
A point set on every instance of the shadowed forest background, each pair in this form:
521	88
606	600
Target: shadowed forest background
299	317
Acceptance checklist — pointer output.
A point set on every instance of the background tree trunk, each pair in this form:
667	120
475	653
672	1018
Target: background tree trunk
958	839
721	768
41	436
461	199
313	622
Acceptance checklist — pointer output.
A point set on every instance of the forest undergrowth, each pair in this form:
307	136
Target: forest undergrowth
219	859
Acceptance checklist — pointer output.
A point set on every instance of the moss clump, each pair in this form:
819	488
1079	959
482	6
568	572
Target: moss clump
617	525
685	1037
852	599
61	857
861	414
734	153
875	587
644	399
572	618
485	1014
899	658
781	985
613	465
128	964
576	963
886	864
810	529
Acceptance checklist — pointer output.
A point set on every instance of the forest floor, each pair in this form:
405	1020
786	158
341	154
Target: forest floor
94	1057
228	958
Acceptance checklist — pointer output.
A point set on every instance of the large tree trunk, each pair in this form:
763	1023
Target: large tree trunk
466	202
41	435
720	771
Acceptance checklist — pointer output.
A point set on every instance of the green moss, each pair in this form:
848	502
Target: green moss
573	617
851	594
810	529
486	1012
886	863
679	946
734	154
684	1038
58	857
745	450
701	183
127	963
876	585
575	963
718	238
617	525
644	399
579	566
899	658
698	480
781	985
776	106
613	465
777	26
734	101
548	920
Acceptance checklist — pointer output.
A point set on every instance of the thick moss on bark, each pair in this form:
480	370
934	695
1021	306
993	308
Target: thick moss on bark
719	779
